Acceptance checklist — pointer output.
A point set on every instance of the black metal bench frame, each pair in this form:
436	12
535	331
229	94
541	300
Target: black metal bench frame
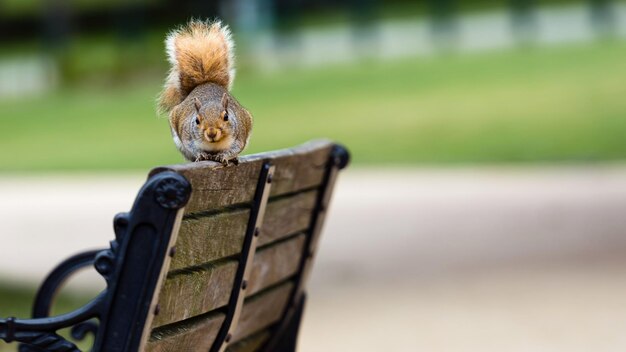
118	316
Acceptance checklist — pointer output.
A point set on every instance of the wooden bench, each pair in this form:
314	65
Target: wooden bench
210	258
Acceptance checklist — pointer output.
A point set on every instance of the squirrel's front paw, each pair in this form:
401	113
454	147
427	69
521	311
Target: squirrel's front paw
203	156
221	159
225	161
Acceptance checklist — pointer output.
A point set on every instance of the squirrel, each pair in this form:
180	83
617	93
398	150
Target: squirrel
207	122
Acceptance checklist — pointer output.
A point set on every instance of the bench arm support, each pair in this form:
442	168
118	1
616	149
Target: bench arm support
41	332
51	285
48	291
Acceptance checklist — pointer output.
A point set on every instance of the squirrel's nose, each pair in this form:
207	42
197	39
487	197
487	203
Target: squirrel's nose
212	133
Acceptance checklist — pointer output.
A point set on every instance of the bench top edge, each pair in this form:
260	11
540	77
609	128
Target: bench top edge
299	149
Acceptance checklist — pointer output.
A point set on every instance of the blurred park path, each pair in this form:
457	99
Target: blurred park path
429	222
486	259
447	259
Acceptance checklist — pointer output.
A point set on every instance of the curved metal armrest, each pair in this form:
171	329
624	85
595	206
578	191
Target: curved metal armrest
50	286
38	333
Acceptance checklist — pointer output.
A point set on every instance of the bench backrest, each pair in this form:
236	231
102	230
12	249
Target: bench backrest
245	244
209	258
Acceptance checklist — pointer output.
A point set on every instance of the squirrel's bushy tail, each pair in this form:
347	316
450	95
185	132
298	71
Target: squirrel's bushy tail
200	52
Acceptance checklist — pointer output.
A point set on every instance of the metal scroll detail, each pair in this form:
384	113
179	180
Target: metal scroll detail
49	342
43	304
39	334
235	304
157	206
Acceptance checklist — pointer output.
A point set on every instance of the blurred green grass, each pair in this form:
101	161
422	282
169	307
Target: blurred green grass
524	105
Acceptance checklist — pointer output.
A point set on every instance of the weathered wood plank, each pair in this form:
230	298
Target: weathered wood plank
275	263
251	343
199	333
186	336
215	186
262	311
195	292
209	238
287	216
206	239
191	293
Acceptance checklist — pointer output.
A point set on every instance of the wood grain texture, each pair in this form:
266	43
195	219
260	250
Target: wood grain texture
195	292
188	336
262	311
251	343
276	263
287	216
206	239
209	238
199	333
215	186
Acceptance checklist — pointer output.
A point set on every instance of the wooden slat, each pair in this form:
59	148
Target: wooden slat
188	336
206	239
258	313
215	186
261	312
210	238
191	293
196	292
275	263
252	343
287	216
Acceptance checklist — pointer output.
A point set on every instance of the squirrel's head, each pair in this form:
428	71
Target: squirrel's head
213	124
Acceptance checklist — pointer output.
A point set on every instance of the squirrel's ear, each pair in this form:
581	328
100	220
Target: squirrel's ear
225	101
197	103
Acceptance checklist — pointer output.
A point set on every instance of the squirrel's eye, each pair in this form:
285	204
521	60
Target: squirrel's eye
197	121
225	116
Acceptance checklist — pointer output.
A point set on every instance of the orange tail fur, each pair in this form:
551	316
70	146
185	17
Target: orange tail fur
200	52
